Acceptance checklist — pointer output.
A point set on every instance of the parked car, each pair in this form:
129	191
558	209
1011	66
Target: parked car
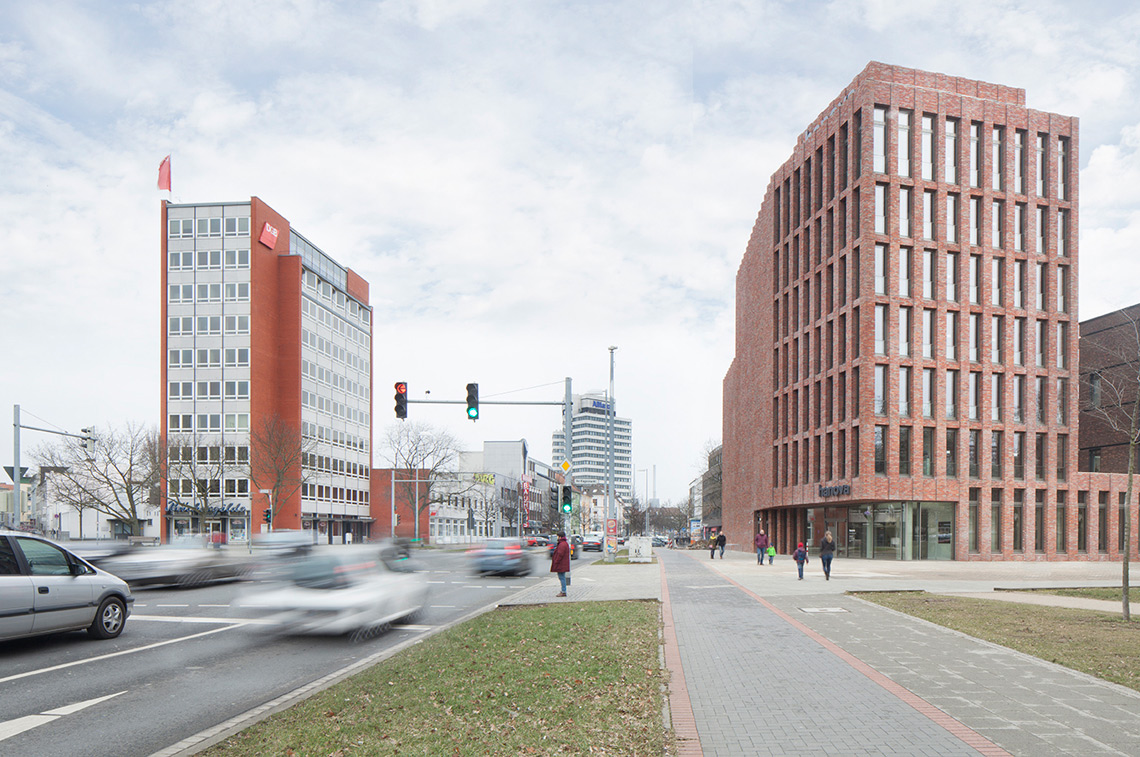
343	590
500	556
659	541
44	588
592	542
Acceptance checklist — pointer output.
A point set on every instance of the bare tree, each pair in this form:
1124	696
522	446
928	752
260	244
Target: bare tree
422	453
1112	399
193	469
115	481
635	514
277	456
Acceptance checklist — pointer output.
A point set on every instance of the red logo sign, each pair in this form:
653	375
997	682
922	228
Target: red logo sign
268	236
611	526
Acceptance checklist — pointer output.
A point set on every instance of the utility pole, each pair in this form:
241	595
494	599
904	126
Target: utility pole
611	513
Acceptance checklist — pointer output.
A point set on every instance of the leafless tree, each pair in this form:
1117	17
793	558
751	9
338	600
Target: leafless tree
635	515
193	467
422	453
115	481
277	456
1112	399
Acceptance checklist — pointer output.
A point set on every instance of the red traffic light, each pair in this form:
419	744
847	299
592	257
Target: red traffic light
401	399
401	387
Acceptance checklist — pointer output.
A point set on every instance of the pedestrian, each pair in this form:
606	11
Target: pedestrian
771	552
721	541
712	545
761	546
560	562
826	552
801	557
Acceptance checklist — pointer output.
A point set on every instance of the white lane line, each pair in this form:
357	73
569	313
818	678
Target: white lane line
437	582
100	658
213	605
10	728
179	619
443	607
172	605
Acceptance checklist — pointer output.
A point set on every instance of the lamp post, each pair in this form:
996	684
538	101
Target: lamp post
611	411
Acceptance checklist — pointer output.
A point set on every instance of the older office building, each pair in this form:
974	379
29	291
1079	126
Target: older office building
590	445
266	350
906	339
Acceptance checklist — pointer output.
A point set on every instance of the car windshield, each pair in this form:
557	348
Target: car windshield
328	572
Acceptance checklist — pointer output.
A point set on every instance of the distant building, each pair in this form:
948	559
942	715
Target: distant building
590	448
263	336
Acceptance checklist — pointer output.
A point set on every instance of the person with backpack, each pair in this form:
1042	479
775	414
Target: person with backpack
826	553
801	558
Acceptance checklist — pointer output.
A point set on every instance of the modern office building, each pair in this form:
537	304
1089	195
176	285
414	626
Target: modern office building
266	377
906	340
589	452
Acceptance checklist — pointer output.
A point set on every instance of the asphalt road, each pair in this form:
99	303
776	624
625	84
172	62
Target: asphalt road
185	662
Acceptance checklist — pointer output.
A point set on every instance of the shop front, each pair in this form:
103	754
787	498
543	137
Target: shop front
887	530
223	523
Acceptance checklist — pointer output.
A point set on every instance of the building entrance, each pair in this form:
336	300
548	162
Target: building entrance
891	530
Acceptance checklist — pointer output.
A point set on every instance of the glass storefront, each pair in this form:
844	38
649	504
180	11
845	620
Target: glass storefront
888	530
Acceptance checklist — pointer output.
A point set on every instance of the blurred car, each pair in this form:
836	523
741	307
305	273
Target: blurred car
44	588
592	542
575	546
500	556
187	562
337	591
659	541
285	540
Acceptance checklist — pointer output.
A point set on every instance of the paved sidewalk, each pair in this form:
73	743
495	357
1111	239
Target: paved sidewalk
765	664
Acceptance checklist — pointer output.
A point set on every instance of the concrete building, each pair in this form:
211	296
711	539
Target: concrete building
266	377
590	447
906	339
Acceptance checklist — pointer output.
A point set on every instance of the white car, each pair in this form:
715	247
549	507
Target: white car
44	588
338	590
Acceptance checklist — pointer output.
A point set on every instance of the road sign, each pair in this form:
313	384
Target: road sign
565	466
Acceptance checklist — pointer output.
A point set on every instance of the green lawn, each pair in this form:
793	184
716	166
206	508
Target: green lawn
579	678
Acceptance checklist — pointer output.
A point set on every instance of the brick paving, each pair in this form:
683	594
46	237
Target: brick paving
764	664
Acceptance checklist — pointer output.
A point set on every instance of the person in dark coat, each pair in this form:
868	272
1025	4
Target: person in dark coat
560	562
761	546
721	541
826	552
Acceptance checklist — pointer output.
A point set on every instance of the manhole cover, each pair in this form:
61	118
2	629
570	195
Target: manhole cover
822	609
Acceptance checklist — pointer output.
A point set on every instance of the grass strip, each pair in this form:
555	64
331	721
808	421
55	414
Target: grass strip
1105	592
1092	642
579	678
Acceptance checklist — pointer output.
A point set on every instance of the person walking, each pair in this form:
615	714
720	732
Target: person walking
560	562
721	541
826	552
712	546
801	558
761	546
771	552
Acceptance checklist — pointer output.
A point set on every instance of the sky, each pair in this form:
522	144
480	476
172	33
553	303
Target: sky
523	184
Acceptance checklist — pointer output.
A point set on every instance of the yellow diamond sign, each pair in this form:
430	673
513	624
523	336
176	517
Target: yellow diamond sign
565	466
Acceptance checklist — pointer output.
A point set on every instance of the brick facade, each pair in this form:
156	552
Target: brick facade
923	234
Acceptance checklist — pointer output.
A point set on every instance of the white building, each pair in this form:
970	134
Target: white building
589	451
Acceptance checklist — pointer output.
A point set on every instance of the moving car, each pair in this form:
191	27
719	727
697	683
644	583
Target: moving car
189	562
339	590
501	556
44	588
592	542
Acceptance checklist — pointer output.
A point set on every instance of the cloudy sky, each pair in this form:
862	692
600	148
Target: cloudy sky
523	183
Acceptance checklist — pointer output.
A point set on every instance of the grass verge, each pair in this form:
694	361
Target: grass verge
581	678
1092	642
1106	592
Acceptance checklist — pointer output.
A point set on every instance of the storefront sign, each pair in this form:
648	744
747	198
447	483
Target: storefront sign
835	491
228	508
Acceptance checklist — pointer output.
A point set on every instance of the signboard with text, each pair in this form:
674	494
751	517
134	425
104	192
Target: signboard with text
611	526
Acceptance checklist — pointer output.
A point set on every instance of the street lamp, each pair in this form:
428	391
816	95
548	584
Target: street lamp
611	411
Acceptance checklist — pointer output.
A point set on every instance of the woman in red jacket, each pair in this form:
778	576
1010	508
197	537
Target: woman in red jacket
560	562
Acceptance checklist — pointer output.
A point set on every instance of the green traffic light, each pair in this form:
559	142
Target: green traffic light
473	413
566	507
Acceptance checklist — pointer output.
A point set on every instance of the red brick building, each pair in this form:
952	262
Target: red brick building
906	339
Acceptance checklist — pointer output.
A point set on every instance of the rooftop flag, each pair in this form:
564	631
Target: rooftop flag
164	174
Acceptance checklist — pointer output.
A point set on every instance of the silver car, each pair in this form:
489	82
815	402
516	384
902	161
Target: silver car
46	589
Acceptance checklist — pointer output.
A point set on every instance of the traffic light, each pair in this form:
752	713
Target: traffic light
567	503
268	513
473	401
401	399
89	441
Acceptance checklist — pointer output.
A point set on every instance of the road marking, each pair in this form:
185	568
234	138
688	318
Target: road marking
178	619
443	607
157	644
172	605
437	582
213	605
19	725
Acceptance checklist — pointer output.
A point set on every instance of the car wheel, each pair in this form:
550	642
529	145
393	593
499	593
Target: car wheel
109	620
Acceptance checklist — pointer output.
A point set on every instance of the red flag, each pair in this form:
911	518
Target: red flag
164	174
